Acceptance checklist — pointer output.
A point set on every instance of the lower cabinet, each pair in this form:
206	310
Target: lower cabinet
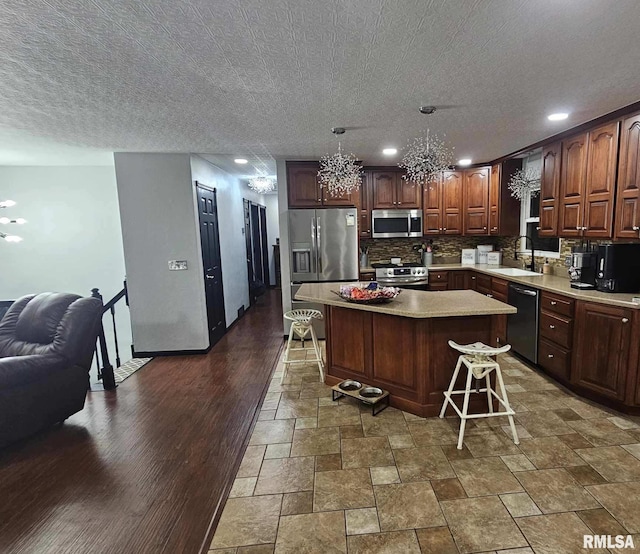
601	349
459	280
438	280
555	360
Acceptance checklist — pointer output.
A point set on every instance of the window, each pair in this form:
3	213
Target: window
529	222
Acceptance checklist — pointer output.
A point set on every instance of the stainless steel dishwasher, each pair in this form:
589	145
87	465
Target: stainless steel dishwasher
522	327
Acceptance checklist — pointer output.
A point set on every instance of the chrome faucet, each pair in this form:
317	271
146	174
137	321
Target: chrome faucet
532	265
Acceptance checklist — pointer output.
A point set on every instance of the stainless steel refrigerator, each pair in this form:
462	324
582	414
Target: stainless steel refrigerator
323	247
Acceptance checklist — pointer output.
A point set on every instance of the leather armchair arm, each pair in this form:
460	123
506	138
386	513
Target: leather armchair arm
20	370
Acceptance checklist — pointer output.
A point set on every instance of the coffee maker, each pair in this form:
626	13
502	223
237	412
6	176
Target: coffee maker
618	268
583	267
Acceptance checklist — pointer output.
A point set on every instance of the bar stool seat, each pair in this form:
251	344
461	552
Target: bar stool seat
302	325
477	359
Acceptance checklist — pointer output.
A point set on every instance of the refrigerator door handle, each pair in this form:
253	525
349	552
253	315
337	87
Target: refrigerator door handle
313	244
319	249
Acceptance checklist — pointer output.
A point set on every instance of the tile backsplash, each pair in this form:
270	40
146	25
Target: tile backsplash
447	250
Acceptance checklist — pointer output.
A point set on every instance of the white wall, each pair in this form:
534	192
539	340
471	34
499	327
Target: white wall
273	231
72	239
159	223
230	193
283	221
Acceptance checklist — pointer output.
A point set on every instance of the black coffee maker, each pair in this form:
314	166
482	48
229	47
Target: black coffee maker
583	267
618	268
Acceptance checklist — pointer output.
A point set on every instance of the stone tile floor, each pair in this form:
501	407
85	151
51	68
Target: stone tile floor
322	476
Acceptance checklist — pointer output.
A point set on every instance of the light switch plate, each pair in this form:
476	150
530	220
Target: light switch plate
177	265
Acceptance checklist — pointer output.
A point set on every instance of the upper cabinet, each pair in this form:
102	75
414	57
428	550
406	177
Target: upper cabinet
550	190
504	209
365	206
476	201
587	183
442	204
304	189
392	191
628	195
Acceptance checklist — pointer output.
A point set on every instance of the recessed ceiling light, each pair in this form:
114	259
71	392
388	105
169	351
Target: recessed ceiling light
558	116
240	161
389	151
464	161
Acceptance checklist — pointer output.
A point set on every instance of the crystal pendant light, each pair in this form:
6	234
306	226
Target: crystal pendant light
7	221
339	174
262	184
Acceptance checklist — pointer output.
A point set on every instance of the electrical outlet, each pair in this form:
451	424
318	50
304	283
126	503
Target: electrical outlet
177	265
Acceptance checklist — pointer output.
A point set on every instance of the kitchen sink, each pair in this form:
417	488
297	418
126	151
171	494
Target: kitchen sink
515	272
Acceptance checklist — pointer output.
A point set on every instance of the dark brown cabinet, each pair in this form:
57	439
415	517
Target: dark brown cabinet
628	191
476	201
587	183
304	191
392	191
459	280
438	280
601	353
573	185
550	190
504	209
442	204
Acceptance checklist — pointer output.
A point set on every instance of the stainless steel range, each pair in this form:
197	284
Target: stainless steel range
406	276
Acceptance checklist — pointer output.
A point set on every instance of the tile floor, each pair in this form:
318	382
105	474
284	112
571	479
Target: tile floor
322	476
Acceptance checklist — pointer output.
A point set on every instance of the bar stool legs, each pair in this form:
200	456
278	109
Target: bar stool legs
477	359
301	325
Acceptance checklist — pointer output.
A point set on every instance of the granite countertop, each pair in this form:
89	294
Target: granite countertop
551	283
412	303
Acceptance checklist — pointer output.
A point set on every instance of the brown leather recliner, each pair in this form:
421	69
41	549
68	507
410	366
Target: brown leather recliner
46	348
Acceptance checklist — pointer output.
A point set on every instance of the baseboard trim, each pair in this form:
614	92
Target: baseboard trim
159	353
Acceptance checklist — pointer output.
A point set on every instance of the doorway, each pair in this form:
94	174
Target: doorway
211	261
257	249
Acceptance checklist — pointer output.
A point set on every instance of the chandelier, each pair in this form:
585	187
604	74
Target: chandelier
524	182
262	184
426	157
6	221
340	174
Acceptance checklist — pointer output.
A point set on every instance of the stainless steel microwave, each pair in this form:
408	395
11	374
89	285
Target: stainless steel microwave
396	223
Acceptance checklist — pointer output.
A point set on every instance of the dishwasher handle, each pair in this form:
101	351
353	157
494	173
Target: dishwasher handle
524	291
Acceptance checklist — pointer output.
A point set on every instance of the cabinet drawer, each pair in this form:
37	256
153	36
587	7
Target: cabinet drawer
554	360
438	286
557	304
367	276
438	277
483	283
556	329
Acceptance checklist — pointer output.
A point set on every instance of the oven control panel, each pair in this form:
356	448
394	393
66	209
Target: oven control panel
391	272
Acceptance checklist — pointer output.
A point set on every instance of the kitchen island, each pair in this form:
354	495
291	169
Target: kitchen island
402	346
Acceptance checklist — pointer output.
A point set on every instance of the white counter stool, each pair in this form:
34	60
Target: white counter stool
476	357
302	325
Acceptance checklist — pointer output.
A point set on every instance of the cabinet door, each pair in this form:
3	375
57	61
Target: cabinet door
302	185
601	181
573	186
409	194
476	195
494	200
384	190
452	203
365	206
432	207
628	200
602	342
550	190
458	280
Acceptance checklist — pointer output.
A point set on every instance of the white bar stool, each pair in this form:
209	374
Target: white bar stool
302	325
476	357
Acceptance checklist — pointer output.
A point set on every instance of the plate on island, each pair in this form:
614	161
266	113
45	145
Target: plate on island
367	293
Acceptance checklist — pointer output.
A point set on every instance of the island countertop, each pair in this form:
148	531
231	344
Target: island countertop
412	303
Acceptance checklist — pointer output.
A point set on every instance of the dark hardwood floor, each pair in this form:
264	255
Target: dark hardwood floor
146	468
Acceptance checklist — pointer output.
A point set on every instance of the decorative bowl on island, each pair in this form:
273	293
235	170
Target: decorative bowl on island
367	293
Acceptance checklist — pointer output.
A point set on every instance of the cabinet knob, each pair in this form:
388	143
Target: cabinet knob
490	295
552	326
444	229
485	228
636	228
494	228
399	202
578	228
473	278
537	228
439	276
549	355
553	302
625	320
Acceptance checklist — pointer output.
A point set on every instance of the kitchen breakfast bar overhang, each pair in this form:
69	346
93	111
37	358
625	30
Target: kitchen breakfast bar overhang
402	346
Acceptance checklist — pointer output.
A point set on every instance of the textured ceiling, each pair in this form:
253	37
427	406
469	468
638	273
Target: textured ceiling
264	79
